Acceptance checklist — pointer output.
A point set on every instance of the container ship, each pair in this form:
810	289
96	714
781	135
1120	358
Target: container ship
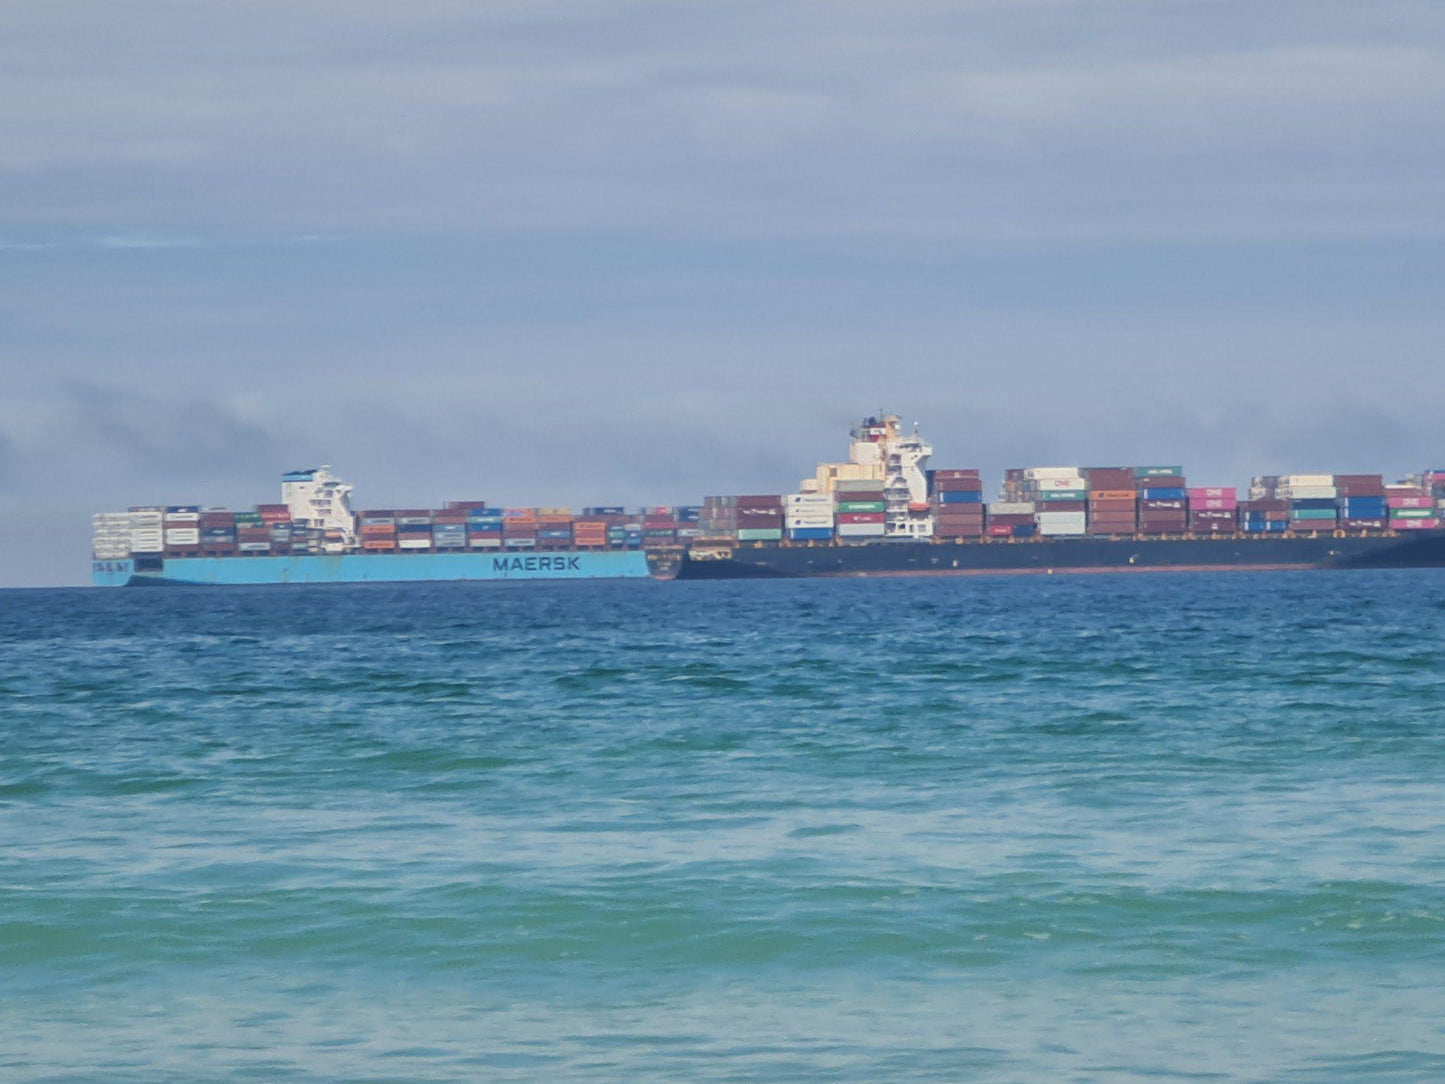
883	511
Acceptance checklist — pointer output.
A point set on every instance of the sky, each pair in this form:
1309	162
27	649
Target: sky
592	252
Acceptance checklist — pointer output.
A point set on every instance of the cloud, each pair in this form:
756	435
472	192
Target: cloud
982	120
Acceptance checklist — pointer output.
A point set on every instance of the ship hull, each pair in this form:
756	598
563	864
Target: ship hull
379	568
1422	549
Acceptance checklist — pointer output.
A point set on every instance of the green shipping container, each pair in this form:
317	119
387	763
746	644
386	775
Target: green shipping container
1157	472
862	506
760	534
1413	513
1313	513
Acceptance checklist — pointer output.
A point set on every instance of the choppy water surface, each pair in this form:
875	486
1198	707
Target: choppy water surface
1091	828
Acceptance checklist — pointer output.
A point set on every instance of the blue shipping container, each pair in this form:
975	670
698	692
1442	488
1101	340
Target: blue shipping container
1025	530
1173	494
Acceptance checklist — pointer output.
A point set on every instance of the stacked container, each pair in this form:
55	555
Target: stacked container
1112	500
183	530
413	530
1264	515
687	516
1060	496
1412	507
147	530
554	528
719	519
589	532
377	530
218	533
1213	509
958	510
449	529
1011	519
253	536
760	518
860	509
519	528
1312	501
110	534
1361	502
484	528
808	517
1163	504
659	527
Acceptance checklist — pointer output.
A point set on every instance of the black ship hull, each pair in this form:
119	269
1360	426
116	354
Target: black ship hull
1417	549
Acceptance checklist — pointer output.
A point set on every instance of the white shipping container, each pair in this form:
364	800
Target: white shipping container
1053	523
146	545
823	499
182	518
1310	493
860	530
414	544
1039	474
182	536
1011	508
1306	480
146	519
1075	481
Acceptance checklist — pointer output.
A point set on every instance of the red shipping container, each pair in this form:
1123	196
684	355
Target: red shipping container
1109	477
860	517
951	474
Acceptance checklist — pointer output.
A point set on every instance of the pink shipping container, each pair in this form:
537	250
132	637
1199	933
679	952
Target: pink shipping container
1415	524
1208	493
1213	504
1000	530
1416	500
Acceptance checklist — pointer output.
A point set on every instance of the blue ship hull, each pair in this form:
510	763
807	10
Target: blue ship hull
377	568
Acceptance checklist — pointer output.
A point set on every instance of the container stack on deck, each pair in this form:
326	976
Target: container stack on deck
110	534
1312	501
1361	502
1163	504
860	510
958	508
1412	506
1213	509
183	530
808	517
1113	501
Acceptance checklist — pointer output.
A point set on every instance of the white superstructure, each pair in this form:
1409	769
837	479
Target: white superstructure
317	498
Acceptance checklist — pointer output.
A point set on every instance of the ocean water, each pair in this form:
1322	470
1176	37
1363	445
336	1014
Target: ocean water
1172	827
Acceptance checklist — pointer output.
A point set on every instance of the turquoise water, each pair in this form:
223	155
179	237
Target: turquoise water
1070	828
